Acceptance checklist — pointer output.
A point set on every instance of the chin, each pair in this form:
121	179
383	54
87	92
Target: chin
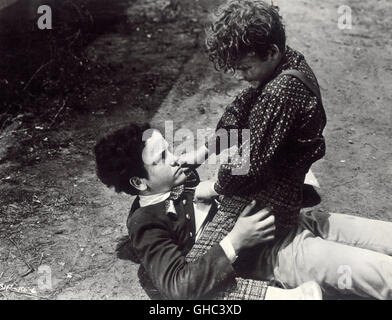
254	83
251	80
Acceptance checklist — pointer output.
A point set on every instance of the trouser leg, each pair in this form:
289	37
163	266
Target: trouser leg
355	231
334	266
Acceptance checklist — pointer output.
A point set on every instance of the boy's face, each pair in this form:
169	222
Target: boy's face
256	70
157	158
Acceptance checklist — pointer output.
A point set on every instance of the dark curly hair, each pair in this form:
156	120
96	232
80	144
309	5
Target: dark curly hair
119	157
243	26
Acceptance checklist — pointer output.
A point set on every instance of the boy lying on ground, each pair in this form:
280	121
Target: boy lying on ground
342	253
164	223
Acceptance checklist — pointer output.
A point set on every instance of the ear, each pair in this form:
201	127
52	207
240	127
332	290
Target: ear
138	183
274	51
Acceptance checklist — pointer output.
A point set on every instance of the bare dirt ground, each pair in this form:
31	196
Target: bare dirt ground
55	212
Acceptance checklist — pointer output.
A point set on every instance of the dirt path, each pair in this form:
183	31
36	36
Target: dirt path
57	214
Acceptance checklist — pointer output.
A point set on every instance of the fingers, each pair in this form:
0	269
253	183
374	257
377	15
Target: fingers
248	209
263	214
270	221
269	238
267	223
269	232
262	238
265	227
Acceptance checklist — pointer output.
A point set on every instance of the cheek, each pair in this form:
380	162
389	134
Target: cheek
254	73
156	176
260	71
165	173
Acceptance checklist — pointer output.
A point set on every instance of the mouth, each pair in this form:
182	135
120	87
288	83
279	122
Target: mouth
179	171
245	76
186	171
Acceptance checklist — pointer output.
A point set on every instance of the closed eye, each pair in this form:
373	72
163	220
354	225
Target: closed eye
245	68
162	158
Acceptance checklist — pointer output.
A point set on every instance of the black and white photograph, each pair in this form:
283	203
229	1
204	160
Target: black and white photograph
209	150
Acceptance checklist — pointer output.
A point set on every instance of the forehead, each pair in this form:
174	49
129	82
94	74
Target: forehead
154	147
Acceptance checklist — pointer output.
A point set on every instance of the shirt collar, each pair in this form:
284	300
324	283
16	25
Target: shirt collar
145	201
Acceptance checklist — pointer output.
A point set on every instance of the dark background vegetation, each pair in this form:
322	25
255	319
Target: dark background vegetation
43	71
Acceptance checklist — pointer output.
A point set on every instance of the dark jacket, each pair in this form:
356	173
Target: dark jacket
161	241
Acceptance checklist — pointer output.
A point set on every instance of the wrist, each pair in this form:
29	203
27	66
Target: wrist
217	188
229	250
212	189
236	243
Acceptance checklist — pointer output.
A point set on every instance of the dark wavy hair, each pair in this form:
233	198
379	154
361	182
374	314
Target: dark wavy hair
119	157
243	26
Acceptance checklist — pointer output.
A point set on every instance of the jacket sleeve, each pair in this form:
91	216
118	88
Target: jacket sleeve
165	263
270	122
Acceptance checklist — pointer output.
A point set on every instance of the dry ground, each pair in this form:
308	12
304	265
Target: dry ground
55	212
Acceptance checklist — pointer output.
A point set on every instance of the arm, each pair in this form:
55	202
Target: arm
270	123
173	276
237	113
234	117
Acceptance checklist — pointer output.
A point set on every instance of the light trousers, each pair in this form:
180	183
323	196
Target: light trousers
342	253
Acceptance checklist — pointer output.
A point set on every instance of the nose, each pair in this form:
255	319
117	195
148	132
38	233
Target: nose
173	159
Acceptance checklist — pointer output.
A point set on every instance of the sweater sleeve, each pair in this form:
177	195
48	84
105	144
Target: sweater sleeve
270	122
235	117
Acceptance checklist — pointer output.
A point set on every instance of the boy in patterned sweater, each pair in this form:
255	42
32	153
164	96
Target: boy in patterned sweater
285	115
284	112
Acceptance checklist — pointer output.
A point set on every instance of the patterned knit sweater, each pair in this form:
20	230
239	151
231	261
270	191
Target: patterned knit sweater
286	121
